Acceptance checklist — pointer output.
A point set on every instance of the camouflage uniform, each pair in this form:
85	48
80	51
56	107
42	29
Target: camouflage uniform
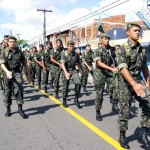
56	54
134	63
101	75
70	60
39	57
2	48
46	58
88	58
32	66
13	60
78	69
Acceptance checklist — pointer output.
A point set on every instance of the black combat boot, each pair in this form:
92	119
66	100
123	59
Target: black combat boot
143	138
65	103
115	106
51	84
84	89
21	112
8	112
77	102
111	99
45	89
98	115
39	86
56	95
123	140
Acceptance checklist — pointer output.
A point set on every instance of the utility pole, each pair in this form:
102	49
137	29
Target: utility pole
44	24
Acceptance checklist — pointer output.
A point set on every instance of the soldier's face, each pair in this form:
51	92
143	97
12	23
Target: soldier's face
6	40
40	49
78	51
88	48
134	33
12	43
59	43
33	50
48	46
105	41
70	48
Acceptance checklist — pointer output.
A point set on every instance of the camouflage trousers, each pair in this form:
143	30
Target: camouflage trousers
125	94
1	79
99	82
51	70
45	76
84	76
32	69
57	73
17	82
76	80
38	74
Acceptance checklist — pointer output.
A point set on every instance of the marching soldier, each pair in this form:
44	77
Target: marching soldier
69	61
11	62
87	59
131	59
32	63
46	64
3	46
103	72
39	65
55	58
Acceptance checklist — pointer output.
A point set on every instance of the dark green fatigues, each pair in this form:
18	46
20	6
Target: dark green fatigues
13	60
88	58
47	62
32	66
70	60
39	57
56	54
101	75
134	63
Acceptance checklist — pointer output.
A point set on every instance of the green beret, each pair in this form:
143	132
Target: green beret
132	25
105	35
70	42
13	37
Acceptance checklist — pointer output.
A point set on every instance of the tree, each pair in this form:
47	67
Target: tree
22	41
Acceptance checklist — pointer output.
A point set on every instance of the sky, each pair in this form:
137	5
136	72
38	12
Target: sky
22	17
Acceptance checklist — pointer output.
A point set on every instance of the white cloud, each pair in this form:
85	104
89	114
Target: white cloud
29	23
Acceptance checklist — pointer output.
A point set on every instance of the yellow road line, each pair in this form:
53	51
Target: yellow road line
92	127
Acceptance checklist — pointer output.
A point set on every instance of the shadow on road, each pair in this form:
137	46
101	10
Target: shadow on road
109	114
41	110
34	97
38	110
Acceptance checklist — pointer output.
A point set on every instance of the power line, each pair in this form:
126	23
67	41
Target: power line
56	29
85	17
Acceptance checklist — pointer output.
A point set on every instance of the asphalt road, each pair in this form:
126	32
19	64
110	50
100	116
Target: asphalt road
52	127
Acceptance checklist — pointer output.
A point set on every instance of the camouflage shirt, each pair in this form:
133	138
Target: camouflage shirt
56	54
46	57
32	58
13	60
106	56
87	57
70	59
135	61
39	56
